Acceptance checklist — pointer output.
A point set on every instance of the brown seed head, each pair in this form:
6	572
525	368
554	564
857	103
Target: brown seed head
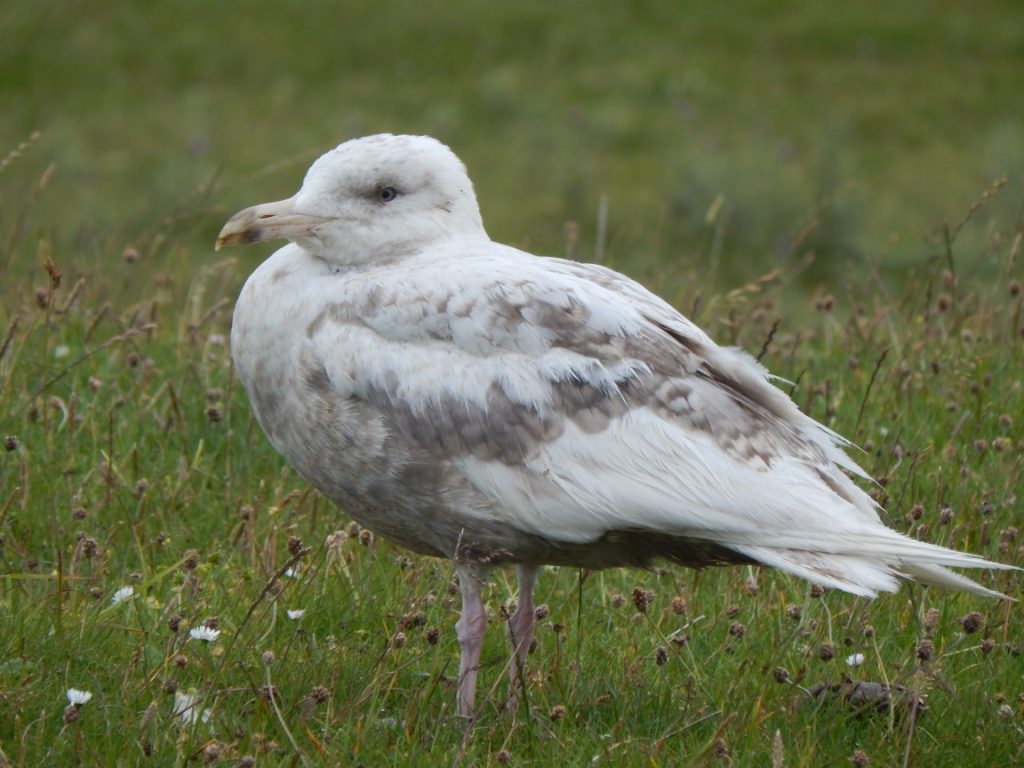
925	650
642	599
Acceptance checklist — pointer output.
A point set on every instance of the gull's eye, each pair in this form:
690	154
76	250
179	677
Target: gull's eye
387	194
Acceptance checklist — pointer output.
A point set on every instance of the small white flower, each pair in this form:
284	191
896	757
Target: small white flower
61	351
204	633
77	697
296	614
186	706
122	594
855	660
291	573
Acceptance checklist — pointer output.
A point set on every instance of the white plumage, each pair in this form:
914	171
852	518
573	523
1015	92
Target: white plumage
472	401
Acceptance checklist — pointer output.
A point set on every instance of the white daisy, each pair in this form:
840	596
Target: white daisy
122	594
77	697
855	660
296	614
186	706
204	633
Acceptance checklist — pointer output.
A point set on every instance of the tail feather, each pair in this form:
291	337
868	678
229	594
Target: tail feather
866	574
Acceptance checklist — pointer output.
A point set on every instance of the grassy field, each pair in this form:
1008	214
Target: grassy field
840	189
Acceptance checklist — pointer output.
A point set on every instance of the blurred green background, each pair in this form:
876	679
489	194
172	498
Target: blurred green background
739	136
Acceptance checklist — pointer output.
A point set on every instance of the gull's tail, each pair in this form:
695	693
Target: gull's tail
861	571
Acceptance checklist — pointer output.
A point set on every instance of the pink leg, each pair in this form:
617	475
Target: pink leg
469	629
520	624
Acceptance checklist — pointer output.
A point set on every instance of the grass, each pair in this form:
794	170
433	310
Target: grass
132	461
731	153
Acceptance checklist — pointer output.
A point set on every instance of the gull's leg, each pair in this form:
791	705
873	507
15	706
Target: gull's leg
520	624
469	629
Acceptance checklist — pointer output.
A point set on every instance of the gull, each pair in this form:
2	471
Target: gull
470	401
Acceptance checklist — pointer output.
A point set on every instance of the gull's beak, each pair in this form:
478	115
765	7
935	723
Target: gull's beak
270	221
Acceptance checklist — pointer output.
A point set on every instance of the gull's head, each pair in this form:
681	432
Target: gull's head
369	199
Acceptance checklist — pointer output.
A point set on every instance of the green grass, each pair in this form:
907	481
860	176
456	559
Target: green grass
871	140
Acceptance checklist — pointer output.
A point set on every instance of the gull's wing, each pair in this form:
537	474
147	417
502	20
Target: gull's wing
582	404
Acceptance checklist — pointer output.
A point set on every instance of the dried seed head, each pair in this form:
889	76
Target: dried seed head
170	686
678	605
794	611
1005	711
859	758
191	560
398	640
916	511
931	619
247	761
721	749
267	658
214	414
781	675
943	303
1014	287
366	537
212	752
925	650
557	713
180	661
174	622
731	611
294	546
987	645
502	757
737	630
211	622
817	590
660	655
946	515
541	611
319	694
869	630
826	303
642	599
618	600
10	443
70	714
433	635
827	652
